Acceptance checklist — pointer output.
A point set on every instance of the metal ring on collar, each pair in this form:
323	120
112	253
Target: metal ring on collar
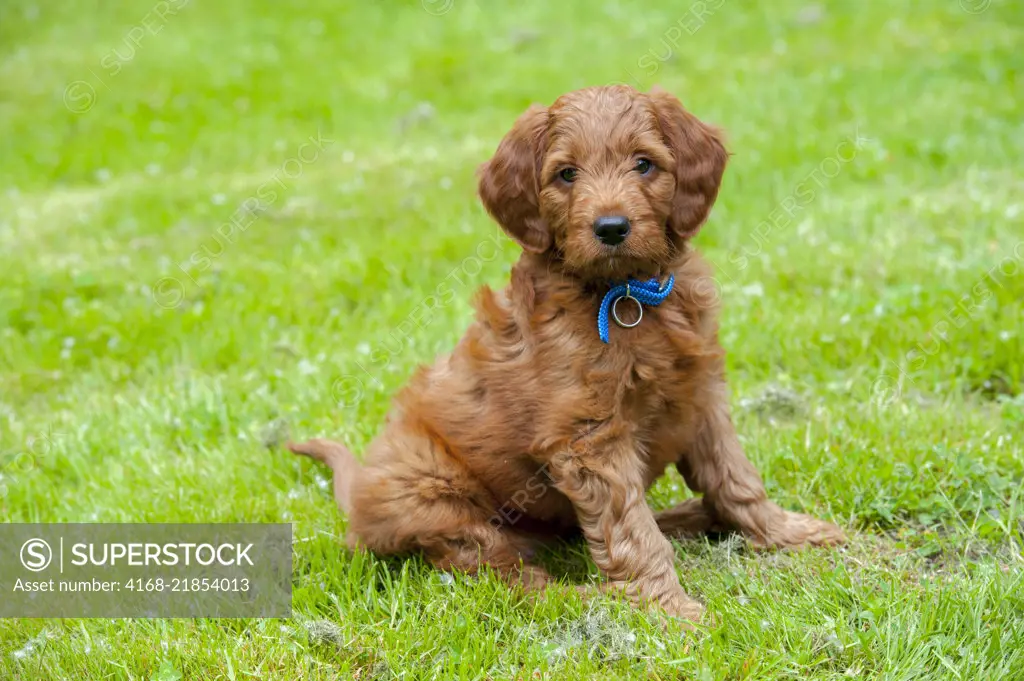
639	310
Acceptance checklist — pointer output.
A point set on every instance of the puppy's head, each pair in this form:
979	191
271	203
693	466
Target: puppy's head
611	181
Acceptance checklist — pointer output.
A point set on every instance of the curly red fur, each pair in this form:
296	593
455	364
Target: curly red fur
532	427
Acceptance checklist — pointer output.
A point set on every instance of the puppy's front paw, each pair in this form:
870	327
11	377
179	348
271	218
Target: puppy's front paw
799	530
684	608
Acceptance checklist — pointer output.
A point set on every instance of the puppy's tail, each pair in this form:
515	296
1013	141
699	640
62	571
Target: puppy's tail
338	458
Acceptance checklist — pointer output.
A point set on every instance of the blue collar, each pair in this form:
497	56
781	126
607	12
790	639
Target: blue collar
646	292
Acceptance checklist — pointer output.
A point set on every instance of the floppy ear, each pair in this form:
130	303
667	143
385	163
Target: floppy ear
508	183
700	158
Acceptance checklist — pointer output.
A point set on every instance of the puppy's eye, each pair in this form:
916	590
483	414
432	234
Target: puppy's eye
643	166
568	175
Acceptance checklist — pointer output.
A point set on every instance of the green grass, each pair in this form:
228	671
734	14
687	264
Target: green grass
875	356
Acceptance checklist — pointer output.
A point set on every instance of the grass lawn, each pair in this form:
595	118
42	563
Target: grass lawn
869	244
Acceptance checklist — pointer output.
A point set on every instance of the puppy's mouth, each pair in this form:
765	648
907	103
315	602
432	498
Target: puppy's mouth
617	264
625	266
641	254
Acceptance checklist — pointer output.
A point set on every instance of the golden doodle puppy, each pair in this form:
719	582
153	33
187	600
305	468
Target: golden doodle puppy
579	383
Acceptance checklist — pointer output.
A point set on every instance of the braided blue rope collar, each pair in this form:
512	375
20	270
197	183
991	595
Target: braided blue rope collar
646	292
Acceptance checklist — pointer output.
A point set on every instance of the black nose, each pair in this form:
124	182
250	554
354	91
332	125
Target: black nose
611	229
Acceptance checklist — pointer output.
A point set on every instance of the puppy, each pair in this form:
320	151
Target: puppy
570	393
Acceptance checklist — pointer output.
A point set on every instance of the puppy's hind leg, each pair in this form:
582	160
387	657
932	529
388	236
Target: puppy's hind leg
474	545
414	496
688	519
337	457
